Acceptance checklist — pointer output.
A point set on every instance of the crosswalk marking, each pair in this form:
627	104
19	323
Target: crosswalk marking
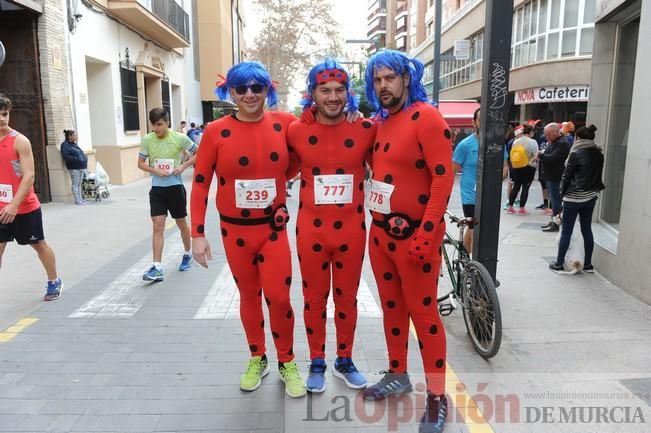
223	301
125	295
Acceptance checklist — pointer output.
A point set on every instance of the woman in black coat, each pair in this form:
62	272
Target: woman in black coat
580	188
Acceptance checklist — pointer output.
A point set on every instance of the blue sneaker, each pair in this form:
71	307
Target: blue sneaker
346	371
316	378
54	290
390	384
186	263
153	274
436	410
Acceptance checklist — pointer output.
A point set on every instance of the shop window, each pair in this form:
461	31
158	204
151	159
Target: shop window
129	86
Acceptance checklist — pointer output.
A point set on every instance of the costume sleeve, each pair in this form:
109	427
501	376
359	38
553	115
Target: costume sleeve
437	150
203	173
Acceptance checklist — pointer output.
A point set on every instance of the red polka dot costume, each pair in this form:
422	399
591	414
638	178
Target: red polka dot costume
413	154
330	230
254	238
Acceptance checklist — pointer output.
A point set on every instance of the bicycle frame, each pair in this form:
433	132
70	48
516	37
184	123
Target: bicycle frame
454	265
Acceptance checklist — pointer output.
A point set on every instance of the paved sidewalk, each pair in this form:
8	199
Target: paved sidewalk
115	354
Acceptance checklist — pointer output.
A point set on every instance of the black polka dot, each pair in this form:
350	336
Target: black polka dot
200	228
277	127
338	225
349	143
306	307
199	178
440	363
420	163
304	284
289	314
325	265
267	301
420	344
253	348
274	156
360	209
268	210
324	315
214	167
222	181
316	171
288	281
395	364
433	329
342	316
303	183
447	134
240	242
343	248
206	201
427	301
342	346
262	324
386	147
226	133
244	161
316	248
391	304
428	226
312	139
338	291
339	265
245	213
361	186
260	258
366	124
395	332
340	171
391	246
388	178
376	241
377	146
323	347
309	331
363	225
422	199
224	232
440	169
317	222
290	148
415	116
388	276
275	335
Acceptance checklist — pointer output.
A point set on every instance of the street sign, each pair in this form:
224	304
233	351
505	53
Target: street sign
2	53
462	49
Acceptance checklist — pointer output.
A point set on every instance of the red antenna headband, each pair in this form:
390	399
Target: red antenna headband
331	75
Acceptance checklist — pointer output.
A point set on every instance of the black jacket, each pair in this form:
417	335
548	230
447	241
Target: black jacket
553	159
583	171
74	157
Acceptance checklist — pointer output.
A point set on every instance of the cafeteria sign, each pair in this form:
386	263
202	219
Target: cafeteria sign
539	95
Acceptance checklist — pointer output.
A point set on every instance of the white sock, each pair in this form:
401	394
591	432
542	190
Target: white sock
157	265
187	253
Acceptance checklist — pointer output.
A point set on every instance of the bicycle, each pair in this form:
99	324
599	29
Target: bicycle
474	289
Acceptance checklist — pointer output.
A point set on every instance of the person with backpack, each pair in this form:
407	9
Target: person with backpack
523	156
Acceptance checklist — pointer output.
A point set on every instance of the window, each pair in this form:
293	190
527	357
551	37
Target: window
587	36
555	14
458	72
571	16
552	46
569	43
129	96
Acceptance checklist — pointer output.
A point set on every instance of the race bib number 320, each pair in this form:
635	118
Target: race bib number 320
254	194
333	189
6	193
166	165
378	196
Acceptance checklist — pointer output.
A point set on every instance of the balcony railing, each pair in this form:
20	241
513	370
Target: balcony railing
173	15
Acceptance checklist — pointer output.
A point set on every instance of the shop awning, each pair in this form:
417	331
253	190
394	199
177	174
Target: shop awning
458	114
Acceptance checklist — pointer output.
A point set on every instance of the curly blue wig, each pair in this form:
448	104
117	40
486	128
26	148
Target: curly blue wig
241	75
314	78
398	62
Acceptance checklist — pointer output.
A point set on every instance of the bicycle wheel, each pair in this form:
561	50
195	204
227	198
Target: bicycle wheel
481	309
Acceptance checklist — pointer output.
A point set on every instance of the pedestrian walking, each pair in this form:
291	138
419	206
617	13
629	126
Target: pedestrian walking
523	156
76	162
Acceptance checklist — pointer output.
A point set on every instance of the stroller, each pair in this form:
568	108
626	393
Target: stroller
94	186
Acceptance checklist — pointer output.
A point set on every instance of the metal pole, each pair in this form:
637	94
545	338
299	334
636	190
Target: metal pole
494	116
437	52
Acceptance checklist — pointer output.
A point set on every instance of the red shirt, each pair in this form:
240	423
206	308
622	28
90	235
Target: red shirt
236	150
10	176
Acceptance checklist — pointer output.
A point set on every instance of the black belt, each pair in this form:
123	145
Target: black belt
277	220
246	221
398	226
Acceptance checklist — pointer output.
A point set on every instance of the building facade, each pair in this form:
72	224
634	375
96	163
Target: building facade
619	106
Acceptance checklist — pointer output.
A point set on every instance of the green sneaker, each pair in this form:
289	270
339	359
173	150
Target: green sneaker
294	385
251	379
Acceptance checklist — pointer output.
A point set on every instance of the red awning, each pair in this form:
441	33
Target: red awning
458	114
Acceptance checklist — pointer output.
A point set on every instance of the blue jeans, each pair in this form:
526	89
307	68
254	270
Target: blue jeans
570	211
554	189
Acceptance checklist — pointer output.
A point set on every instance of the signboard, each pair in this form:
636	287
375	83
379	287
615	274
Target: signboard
540	95
462	49
604	7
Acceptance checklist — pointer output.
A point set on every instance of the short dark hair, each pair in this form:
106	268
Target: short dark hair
68	133
193	124
527	128
476	114
157	114
5	103
183	122
586	132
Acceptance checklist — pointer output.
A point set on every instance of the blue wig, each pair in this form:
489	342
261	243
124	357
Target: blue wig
399	63
241	75
313	80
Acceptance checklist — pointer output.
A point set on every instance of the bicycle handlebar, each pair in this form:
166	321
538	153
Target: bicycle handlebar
465	221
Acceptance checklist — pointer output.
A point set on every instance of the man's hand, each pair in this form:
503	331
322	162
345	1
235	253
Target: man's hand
352	116
420	249
8	213
159	172
201	251
178	170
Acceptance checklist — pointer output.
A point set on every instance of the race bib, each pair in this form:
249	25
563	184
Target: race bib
6	193
167	165
254	194
333	189
378	196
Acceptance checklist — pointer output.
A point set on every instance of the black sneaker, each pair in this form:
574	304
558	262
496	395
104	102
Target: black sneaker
541	207
433	420
556	267
391	383
588	269
546	225
552	227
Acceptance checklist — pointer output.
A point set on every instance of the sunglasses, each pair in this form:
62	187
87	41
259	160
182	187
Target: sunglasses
255	88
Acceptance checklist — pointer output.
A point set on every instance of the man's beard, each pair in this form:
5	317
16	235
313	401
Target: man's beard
323	112
394	102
